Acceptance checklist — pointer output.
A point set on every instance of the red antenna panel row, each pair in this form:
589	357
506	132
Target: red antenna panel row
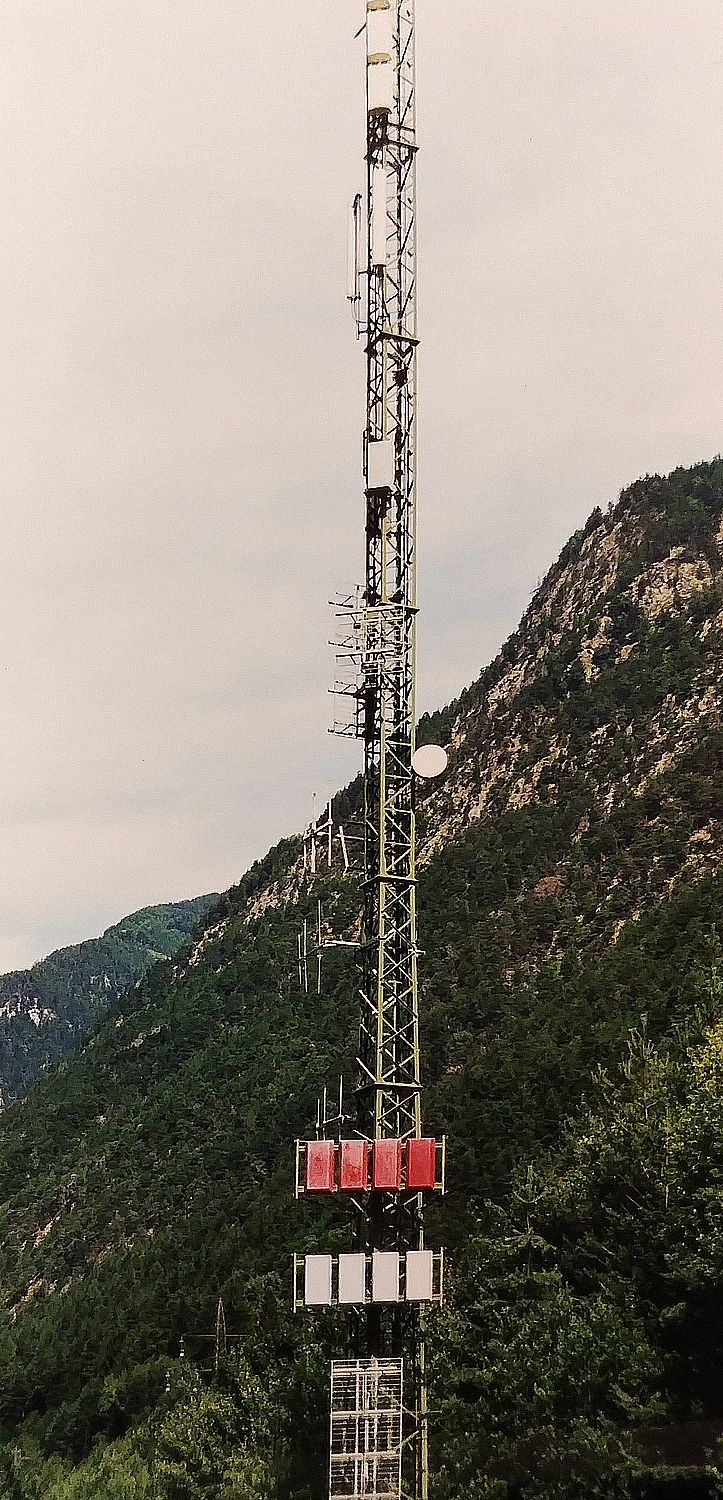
361	1166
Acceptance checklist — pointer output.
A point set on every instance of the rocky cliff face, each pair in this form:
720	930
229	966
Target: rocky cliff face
612	680
614	672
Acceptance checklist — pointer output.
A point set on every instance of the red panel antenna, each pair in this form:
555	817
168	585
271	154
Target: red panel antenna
421	1164
387	1169
319	1174
353	1166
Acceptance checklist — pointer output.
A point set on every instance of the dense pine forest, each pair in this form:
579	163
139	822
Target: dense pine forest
571	907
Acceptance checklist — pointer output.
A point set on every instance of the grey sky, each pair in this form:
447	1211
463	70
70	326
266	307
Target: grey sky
182	394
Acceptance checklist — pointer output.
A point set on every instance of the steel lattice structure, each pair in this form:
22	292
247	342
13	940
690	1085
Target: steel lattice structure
389	1276
389	1045
389	1085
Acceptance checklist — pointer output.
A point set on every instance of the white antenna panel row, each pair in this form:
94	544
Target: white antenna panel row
351	1280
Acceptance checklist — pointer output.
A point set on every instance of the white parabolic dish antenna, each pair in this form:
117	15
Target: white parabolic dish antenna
429	761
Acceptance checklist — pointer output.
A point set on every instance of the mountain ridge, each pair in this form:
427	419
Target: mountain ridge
671	575
62	995
571	912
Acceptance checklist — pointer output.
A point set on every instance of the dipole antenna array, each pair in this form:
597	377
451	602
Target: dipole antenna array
389	1277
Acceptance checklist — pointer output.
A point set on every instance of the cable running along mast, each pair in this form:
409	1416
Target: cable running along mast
378	1394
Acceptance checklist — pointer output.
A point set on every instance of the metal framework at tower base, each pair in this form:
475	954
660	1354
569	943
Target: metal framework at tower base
366	1429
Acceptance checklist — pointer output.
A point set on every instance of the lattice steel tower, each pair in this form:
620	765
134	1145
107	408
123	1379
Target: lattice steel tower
389	1032
379	1403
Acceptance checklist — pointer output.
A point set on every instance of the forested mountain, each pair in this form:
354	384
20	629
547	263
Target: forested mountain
45	1010
571	910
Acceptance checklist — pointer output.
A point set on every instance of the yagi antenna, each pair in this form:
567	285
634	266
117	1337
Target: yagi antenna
319	841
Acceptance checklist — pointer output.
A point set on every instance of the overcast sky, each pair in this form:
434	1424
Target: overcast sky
182	397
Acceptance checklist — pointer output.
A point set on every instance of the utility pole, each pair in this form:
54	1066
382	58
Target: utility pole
379	1416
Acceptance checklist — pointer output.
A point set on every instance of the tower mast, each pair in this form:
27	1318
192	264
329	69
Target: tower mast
378	1396
388	1097
389	1054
